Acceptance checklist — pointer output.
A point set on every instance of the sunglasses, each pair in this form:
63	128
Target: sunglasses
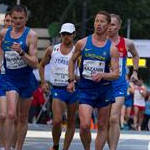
66	33
8	20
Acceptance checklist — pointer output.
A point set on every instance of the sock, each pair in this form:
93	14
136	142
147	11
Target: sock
56	147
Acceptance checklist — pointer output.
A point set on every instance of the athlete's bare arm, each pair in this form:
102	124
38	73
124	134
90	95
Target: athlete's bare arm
31	57
44	61
77	53
2	34
135	56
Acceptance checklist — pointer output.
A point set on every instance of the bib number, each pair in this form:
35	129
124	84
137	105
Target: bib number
91	67
14	61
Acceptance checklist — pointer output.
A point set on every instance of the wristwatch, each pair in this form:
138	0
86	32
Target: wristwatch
70	80
136	70
22	53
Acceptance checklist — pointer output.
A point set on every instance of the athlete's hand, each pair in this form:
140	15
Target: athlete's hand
16	47
71	87
97	77
45	87
134	76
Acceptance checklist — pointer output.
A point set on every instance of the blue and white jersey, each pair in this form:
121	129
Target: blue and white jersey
15	65
94	60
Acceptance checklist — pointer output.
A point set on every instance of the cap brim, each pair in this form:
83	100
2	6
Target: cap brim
66	31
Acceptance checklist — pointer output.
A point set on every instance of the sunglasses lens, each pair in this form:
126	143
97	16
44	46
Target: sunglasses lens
8	20
66	33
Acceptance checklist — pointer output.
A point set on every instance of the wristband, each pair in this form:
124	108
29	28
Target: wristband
136	70
70	80
22	53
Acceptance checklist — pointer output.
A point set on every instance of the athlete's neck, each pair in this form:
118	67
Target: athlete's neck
115	39
99	40
66	48
68	45
18	30
100	37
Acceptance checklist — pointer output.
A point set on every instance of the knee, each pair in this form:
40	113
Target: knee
71	123
114	119
84	126
11	115
22	119
102	125
3	117
57	122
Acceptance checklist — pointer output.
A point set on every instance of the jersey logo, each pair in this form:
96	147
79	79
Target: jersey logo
88	49
104	53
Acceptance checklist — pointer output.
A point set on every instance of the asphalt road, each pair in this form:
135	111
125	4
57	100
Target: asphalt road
39	138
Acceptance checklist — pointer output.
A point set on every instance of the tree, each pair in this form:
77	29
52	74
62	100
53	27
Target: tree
45	12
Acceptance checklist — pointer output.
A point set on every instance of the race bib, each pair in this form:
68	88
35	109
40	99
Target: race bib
14	61
61	75
91	67
120	66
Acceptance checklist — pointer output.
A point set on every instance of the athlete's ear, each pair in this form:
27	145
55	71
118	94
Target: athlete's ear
119	26
74	34
27	18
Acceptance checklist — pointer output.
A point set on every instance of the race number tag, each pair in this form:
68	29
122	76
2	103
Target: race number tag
91	67
120	66
14	61
61	75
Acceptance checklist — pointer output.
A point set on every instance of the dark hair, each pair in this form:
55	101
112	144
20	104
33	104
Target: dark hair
20	8
105	13
7	14
117	17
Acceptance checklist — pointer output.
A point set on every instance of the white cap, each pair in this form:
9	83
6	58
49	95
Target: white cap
67	27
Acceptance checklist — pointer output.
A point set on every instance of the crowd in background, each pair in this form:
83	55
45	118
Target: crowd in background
135	113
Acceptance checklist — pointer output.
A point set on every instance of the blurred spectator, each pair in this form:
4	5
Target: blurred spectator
139	104
146	121
37	102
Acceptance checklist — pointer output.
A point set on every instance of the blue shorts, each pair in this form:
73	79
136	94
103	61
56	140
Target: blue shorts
96	97
2	91
120	90
63	95
24	87
128	102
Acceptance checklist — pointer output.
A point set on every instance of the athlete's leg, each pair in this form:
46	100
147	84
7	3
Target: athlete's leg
135	117
103	119
2	119
22	124
128	113
148	124
71	115
114	123
58	108
14	139
122	118
85	114
12	99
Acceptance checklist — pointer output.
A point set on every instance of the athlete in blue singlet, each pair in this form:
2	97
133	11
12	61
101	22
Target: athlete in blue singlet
20	49
7	24
127	107
95	87
120	85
